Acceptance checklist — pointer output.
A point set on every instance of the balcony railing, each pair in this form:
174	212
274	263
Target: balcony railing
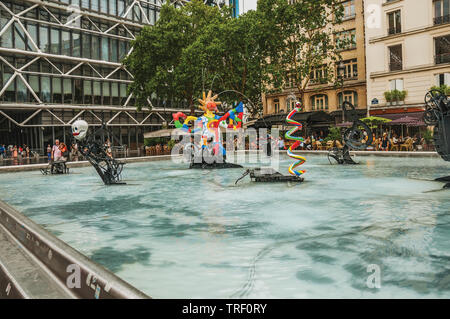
395	66
442	19
442	58
392	31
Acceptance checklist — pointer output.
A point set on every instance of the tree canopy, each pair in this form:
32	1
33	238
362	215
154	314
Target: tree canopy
198	47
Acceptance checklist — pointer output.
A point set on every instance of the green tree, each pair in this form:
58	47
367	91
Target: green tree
196	48
235	55
303	49
158	61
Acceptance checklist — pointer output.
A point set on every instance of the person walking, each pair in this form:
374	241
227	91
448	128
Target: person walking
56	152
49	152
14	152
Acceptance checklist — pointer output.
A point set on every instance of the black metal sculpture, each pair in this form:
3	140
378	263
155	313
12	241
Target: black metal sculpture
109	169
354	137
55	167
437	113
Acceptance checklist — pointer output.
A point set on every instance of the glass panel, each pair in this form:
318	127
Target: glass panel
54	40
115	93
78	96
76	44
43	38
123	93
65	43
87	91
6	38
114	50
95	5
104	6
113	7
105	49
22	91
106	94
10	94
19	37
56	90
97	93
437	9
67	91
85	3
45	89
32	30
86	43
33	80
122	49
95	47
121	7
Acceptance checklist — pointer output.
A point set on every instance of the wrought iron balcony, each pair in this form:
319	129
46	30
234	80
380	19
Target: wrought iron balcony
392	31
442	58
442	19
395	66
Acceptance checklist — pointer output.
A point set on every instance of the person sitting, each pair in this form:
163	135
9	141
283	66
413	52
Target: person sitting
385	143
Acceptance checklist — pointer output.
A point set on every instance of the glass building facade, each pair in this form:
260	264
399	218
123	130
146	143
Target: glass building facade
60	60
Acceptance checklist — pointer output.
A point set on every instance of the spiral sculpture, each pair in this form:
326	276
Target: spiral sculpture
298	140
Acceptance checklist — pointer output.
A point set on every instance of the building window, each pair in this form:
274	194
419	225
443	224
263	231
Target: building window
319	102
396	84
395	58
442	79
349	96
276	104
319	75
351	69
442	47
290	81
346	40
394	22
349	9
290	105
441	11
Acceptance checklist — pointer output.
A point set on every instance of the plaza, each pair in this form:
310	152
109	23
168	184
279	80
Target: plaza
159	150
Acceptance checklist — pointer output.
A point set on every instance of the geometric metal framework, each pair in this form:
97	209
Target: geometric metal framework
34	33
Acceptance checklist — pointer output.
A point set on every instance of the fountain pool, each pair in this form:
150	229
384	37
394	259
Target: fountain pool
179	233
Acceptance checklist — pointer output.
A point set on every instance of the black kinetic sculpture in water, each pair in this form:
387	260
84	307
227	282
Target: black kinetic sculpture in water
437	113
108	169
354	137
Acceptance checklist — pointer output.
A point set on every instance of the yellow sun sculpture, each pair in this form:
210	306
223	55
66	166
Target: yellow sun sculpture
208	104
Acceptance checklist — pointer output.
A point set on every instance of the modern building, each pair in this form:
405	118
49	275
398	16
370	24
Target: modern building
60	60
326	97
408	49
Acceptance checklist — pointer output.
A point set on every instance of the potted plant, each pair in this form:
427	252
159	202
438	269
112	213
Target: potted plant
395	97
388	97
401	97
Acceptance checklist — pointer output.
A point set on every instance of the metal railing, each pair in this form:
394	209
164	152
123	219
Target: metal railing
55	258
395	66
396	30
442	58
442	19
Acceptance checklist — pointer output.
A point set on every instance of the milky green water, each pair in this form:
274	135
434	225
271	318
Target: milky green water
180	233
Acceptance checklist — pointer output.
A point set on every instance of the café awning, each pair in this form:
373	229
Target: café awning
408	121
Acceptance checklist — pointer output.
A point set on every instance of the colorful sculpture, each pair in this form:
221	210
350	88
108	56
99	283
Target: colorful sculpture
208	124
298	140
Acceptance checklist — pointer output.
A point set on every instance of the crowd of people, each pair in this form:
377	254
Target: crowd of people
14	151
385	141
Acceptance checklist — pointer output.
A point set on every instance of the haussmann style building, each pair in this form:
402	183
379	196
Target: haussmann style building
323	101
408	51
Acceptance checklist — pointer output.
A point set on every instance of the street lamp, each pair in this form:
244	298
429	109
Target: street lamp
341	71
